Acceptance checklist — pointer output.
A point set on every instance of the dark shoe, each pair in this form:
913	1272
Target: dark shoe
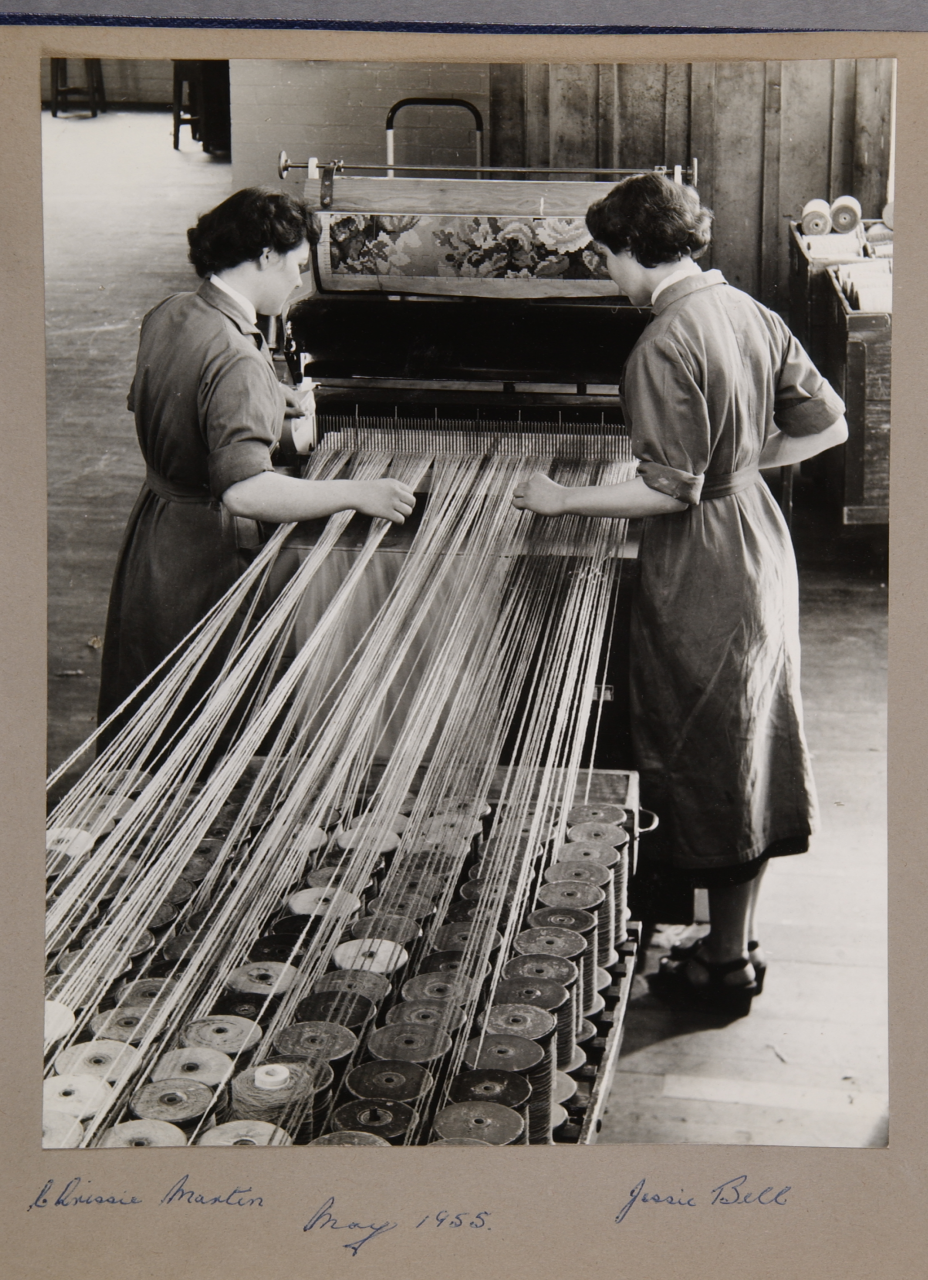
688	952
673	984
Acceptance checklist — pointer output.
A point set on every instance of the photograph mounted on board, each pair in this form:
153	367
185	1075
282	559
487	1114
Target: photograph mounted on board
446	464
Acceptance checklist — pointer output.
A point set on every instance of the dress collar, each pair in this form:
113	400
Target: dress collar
688	284
225	301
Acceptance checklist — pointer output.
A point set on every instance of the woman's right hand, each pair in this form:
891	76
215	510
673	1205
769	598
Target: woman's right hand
388	498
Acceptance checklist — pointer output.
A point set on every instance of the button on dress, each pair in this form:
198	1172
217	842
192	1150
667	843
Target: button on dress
716	706
208	412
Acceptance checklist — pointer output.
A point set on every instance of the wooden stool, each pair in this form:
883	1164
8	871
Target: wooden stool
186	73
91	94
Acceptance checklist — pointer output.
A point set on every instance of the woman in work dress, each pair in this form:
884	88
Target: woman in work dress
209	413
715	389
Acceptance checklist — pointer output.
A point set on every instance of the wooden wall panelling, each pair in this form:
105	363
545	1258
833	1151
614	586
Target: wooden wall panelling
573	109
607	143
872	133
806	148
702	138
677	115
738	171
507	114
537	115
642	93
841	157
771	242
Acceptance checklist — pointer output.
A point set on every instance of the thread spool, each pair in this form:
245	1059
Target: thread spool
163	915
612	833
226	1032
448	986
129	1023
144	1133
386	1117
608	813
180	1102
332	877
211	1067
845	214
344	1007
368	838
564	1087
272	978
588	896
349	1138
362	982
413	906
398	1080
376	954
545	993
61	1130
280	1094
539	1025
242	1004
107	1059
583	923
395	822
280	947
815	218
333	903
462	911
443	1014
472	970
146	991
406	1043
245	1133
78	1095
455	937
504	1052
497	1125
507	1088
59	1021
593	851
181	891
399	929
327	1041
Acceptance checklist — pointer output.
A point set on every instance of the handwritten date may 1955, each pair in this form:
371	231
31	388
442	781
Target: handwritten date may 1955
324	1218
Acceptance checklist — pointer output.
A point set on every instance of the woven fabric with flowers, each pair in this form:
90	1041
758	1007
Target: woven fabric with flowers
460	253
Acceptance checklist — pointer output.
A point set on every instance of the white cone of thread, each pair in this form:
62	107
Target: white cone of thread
59	1020
373	836
107	1059
272	1076
78	1095
265	977
845	214
321	902
60	1129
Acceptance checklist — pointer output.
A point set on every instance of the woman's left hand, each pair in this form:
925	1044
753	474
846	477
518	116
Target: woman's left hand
293	407
541	495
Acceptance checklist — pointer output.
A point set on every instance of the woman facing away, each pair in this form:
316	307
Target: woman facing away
209	414
715	389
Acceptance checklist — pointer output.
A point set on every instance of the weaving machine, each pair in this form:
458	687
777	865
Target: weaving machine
370	889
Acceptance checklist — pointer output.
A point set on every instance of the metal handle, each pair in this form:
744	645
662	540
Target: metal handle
433	102
655	821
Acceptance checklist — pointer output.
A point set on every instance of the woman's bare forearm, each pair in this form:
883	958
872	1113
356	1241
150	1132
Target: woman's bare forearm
285	499
782	450
630	499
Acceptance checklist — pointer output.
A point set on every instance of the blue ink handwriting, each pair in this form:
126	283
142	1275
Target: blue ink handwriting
70	1197
729	1192
458	1220
180	1193
323	1218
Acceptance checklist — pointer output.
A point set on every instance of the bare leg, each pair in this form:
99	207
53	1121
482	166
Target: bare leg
731	915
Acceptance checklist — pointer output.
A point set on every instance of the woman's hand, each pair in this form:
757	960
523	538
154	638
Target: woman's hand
541	495
390	499
293	408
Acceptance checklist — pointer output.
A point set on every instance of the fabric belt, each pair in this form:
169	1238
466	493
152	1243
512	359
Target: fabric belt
724	485
175	492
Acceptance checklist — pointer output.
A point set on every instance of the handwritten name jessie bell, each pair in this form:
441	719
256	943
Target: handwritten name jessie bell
732	1191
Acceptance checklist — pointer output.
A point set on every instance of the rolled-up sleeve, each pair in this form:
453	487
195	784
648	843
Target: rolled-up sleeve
669	421
241	407
805	403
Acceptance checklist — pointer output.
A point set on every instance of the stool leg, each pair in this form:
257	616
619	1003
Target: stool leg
178	99
91	87
59	76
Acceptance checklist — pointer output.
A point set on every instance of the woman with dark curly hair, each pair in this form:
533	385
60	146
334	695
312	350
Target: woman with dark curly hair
209	414
715	389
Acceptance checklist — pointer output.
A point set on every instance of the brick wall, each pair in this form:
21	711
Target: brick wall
125	80
337	110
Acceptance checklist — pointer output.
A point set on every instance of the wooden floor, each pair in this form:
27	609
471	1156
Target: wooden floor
808	1067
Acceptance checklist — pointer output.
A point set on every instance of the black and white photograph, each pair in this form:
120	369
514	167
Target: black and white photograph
468	519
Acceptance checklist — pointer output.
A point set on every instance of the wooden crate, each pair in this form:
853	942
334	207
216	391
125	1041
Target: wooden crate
810	294
856	360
